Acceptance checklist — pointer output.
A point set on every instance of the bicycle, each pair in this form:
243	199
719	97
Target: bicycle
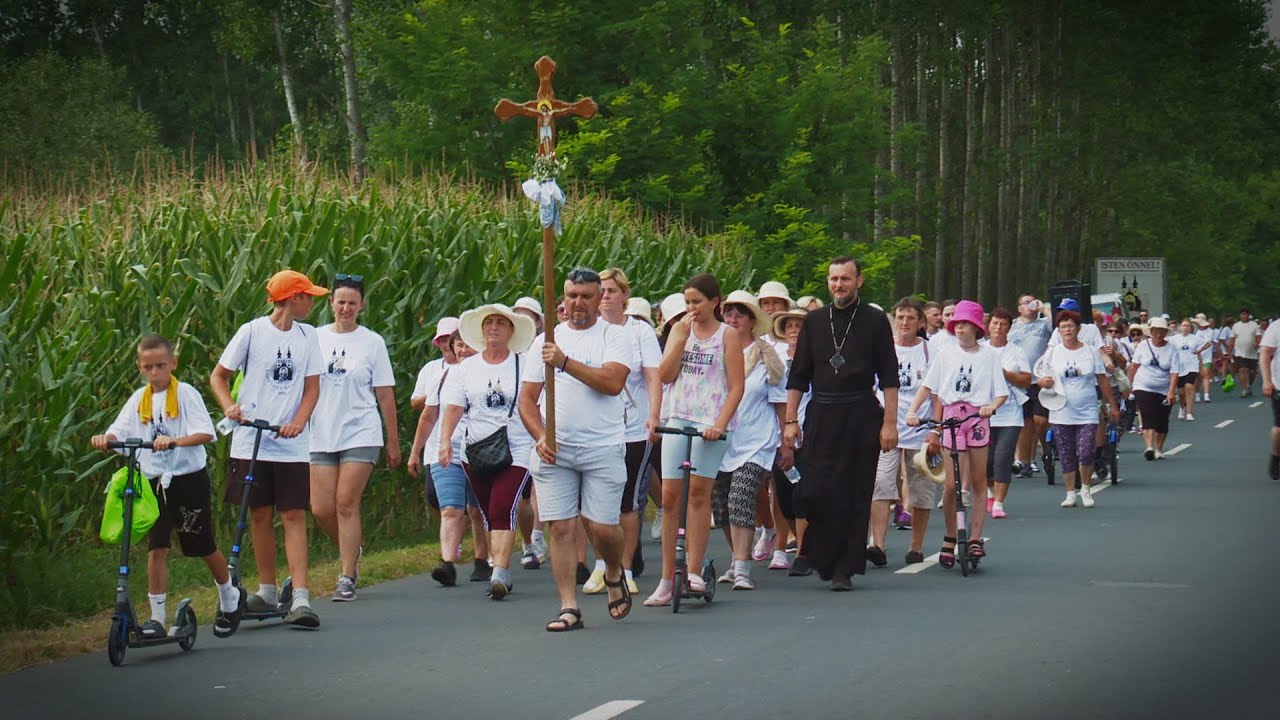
680	587
952	425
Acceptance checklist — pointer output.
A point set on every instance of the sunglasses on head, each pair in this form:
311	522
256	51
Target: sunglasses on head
349	279
583	275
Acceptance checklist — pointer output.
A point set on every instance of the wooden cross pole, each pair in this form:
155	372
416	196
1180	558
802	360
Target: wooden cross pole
545	110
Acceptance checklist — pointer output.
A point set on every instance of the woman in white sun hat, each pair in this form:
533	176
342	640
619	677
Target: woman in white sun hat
774	298
483	388
757	436
788	510
1154	376
640	309
808	303
531	308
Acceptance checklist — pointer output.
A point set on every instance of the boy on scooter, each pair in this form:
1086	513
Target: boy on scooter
280	356
172	416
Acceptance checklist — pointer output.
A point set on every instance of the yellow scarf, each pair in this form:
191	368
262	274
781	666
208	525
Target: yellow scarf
170	402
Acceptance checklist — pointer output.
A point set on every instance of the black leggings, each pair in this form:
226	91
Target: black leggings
1155	414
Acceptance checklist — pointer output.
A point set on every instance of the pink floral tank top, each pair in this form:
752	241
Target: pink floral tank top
699	392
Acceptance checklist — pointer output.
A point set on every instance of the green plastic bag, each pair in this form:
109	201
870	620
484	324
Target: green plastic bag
146	509
1228	383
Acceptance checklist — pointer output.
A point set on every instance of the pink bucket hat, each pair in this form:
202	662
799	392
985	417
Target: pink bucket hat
967	311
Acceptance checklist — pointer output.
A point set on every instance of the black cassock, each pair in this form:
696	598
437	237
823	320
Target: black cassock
841	444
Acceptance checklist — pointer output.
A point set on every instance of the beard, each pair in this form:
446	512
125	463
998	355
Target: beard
846	301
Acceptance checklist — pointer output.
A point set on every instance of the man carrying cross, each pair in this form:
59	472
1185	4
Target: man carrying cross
843	350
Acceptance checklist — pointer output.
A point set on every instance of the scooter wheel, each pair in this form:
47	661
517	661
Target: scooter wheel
117	640
189	625
286	594
677	590
709	578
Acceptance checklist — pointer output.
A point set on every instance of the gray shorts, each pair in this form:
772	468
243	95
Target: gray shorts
350	455
924	493
587	481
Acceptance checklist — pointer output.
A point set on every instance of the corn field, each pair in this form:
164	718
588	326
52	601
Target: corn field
85	273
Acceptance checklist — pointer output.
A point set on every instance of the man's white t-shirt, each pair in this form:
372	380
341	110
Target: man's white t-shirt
488	394
942	340
1155	364
1224	337
427	376
973	377
1208	338
913	365
278	361
757	437
1075	376
193	417
1246	335
347	415
585	417
1271	339
645	354
1012	359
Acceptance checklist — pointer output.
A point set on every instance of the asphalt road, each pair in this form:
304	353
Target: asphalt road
1161	601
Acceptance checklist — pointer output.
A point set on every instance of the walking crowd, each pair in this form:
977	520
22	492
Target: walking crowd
810	423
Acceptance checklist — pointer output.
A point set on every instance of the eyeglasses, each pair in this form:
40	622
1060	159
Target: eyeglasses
583	275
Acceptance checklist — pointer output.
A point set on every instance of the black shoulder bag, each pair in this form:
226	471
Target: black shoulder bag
491	455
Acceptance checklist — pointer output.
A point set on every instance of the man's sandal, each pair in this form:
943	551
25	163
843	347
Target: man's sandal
562	625
947	556
623	602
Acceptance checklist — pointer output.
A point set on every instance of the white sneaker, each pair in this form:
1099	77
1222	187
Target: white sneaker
743	582
764	545
1207	398
1191	418
1070	500
728	576
1086	496
1159	454
540	549
781	560
1197	397
655	530
1182	413
967	498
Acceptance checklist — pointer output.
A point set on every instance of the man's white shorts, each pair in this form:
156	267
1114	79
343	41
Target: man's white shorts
584	480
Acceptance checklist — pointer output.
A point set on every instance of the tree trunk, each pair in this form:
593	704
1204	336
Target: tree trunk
922	119
285	79
231	105
253	127
355	121
940	186
967	244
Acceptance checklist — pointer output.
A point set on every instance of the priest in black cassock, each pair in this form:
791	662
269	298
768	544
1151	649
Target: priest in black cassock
843	350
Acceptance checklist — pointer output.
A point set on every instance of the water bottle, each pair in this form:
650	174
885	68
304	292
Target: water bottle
1112	435
793	474
1048	435
226	424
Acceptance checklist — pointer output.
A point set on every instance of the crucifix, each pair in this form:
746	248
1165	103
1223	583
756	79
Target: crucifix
545	110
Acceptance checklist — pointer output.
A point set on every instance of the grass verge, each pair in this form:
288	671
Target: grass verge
27	647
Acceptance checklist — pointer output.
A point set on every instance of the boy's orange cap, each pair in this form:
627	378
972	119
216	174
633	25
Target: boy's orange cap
287	283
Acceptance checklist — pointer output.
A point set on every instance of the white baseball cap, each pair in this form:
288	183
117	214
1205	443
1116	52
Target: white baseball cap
774	289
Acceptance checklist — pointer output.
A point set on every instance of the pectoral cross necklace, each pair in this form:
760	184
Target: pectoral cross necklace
837	360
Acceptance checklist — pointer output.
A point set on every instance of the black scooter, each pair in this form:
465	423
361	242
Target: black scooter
285	599
680	587
125	631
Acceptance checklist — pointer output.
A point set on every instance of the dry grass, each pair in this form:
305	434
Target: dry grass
25	648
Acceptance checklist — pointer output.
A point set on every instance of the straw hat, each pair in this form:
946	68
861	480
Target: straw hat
472	323
774	289
672	307
780	319
747	300
638	307
1201	320
803	302
1158	323
932	470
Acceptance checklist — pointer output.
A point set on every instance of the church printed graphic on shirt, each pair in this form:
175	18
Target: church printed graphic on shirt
494	397
908	377
335	369
282	372
964	380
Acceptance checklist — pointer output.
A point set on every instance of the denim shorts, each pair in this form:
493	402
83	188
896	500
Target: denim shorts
452	487
350	455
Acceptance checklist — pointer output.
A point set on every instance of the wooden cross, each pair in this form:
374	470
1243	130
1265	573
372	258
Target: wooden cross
545	110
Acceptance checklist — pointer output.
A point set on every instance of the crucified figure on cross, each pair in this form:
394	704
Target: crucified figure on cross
545	110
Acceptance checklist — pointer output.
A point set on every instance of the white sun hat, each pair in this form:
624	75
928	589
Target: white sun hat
638	307
672	307
472	323
805	300
775	289
746	299
530	304
779	320
932	470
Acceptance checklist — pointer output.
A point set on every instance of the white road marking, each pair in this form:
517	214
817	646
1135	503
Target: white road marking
1223	424
611	709
1178	449
1256	404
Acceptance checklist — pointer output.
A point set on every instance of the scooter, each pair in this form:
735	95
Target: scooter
966	561
125	630
680	587
285	599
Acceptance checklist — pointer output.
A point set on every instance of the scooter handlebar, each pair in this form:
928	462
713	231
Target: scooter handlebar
129	443
949	422
689	431
261	425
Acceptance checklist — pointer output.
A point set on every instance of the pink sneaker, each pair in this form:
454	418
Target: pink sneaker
991	503
997	511
661	596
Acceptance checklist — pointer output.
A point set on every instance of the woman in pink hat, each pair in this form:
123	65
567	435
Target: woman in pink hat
965	378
